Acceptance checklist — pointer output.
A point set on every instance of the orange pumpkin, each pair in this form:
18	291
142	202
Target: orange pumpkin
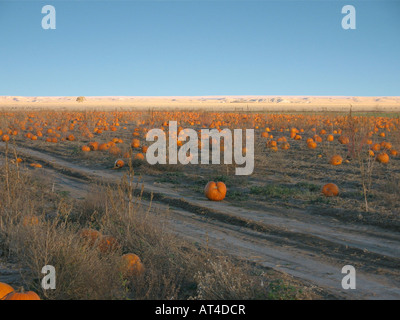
336	160
311	145
104	146
386	145
144	149
330	190
376	147
119	164
131	265
371	153
215	191
5	289
317	138
139	156
382	157
30	295
285	146
93	146
343	140
135	143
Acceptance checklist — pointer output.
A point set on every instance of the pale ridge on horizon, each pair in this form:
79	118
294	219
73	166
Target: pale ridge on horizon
217	103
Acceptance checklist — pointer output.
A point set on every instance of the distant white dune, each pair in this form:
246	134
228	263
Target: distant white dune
219	103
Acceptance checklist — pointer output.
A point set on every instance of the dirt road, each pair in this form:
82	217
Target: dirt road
309	246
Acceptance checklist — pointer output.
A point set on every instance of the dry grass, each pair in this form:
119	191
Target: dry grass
174	269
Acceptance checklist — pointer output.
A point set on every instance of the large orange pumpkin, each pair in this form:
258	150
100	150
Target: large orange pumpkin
104	146
5	289
93	146
30	295
215	191
382	158
330	190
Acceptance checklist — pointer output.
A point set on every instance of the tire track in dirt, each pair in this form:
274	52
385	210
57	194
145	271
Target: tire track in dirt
314	250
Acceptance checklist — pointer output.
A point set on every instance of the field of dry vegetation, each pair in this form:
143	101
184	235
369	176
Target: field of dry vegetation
64	203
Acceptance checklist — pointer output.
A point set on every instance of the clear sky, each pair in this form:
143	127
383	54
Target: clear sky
166	48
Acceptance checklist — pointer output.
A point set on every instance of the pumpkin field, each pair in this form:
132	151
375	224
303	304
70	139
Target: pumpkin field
77	193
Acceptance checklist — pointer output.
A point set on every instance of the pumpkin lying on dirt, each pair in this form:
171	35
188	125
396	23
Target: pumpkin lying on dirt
5	289
336	160
382	158
119	164
330	190
29	295
139	156
215	191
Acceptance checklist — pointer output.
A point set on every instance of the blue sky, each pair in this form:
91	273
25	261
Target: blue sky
161	48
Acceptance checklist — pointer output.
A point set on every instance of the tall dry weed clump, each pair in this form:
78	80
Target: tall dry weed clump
358	130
